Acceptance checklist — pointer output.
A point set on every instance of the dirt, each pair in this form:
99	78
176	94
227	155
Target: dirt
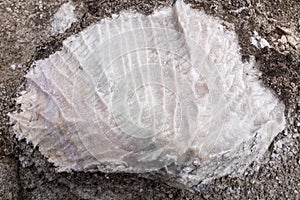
26	174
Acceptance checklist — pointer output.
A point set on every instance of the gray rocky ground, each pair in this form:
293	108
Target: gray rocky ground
24	37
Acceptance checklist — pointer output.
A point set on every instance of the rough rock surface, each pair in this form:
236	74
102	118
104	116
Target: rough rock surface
24	38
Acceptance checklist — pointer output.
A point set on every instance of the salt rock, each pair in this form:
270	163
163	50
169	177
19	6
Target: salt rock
165	93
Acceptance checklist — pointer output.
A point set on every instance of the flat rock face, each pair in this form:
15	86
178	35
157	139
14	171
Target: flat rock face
144	93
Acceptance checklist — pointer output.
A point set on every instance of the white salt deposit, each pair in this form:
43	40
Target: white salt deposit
141	93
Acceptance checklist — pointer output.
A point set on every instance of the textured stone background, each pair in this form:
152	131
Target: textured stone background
24	37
